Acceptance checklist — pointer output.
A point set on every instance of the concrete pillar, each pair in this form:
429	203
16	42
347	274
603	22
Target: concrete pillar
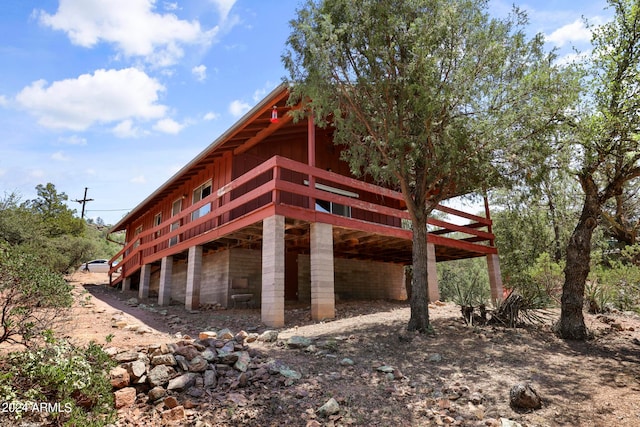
145	279
273	271
495	277
433	292
322	272
126	284
166	271
194	268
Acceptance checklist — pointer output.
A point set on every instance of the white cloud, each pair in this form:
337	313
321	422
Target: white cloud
140	179
574	32
102	97
211	116
237	108
60	157
168	126
132	26
260	93
3	101
37	174
126	129
200	72
170	6
73	140
224	7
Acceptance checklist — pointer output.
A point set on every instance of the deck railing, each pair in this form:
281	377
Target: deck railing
296	190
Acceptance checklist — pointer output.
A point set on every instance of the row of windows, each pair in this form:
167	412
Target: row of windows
198	194
204	191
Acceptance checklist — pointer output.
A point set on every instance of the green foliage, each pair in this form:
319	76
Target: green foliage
46	229
464	282
74	377
617	287
31	296
545	285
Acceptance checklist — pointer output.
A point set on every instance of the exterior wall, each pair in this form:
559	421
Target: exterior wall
246	263
219	172
218	269
356	279
215	278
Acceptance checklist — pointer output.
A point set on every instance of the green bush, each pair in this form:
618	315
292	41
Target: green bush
543	286
74	379
464	282
32	298
617	287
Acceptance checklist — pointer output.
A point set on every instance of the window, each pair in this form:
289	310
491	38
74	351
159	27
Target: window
135	234
175	210
201	193
330	207
157	220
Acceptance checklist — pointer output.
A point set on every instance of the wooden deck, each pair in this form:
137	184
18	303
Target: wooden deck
375	225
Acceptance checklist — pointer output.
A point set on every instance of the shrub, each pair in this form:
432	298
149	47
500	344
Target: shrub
74	379
32	298
615	287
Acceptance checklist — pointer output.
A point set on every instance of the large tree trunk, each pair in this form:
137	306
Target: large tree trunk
571	324
419	320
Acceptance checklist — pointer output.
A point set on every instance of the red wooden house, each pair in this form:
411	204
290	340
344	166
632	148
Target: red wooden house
268	212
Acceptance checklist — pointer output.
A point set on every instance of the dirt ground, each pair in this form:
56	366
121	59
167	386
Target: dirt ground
461	375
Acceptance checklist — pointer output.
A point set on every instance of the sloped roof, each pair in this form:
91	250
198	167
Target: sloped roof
249	130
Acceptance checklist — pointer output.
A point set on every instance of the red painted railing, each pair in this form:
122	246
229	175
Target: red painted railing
281	186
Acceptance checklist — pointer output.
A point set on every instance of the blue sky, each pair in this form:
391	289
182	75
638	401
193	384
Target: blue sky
118	95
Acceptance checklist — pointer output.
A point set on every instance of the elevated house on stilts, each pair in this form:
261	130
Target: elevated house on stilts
268	213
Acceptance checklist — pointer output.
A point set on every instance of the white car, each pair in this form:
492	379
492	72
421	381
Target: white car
95	266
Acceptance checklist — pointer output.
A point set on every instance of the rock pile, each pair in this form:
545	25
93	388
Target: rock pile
181	375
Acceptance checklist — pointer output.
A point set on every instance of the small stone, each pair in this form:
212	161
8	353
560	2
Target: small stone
386	369
170	402
524	396
188	351
347	362
242	364
476	398
243	379
136	369
225	334
268	336
174	414
132	302
210	380
182	362
331	407
120	324
157	393
298	342
505	422
198	364
124	397
164	359
196	392
126	356
209	355
119	377
182	382
241	336
435	358
159	375
252	337
206	335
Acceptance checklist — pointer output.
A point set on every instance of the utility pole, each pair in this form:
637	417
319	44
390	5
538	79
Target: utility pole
84	201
